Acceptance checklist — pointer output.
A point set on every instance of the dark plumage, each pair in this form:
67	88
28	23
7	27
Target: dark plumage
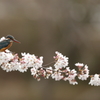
7	43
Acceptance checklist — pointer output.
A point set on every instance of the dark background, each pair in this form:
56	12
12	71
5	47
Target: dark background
71	27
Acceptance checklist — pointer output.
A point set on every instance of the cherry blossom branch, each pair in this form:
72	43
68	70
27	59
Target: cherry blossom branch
59	71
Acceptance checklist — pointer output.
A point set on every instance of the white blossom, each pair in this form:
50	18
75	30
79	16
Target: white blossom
73	82
1	39
30	60
84	73
79	64
33	71
71	76
5	57
62	61
95	80
57	76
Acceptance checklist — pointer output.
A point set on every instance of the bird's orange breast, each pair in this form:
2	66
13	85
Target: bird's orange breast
3	49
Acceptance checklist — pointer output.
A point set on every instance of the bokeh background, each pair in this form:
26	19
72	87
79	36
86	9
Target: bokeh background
71	27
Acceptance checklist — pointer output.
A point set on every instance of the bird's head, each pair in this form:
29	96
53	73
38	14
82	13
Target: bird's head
12	38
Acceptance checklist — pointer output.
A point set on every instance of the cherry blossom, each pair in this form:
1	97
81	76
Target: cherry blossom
60	70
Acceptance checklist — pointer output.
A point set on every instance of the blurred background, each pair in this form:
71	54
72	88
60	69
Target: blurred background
71	27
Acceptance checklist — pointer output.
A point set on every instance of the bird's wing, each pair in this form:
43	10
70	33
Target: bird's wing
4	44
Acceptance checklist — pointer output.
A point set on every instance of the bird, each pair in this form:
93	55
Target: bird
7	43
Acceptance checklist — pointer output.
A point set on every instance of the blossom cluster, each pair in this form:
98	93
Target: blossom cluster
60	71
10	61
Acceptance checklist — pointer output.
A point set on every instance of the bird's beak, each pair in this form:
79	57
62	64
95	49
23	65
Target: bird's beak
16	41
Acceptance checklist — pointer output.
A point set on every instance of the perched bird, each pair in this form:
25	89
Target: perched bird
7	43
